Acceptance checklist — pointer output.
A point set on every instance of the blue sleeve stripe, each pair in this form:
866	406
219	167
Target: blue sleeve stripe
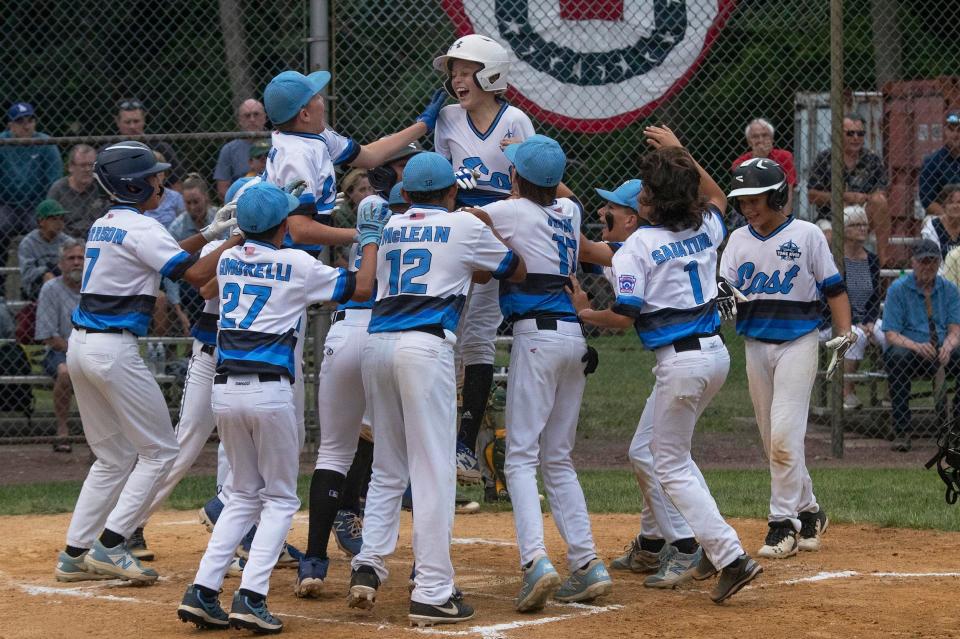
307	198
507	266
625	300
349	154
831	281
173	262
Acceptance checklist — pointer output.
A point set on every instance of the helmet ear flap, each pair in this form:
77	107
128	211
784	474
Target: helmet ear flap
382	179
777	198
448	85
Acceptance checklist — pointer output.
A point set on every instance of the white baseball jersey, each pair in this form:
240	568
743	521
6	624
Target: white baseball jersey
356	256
263	293
467	148
547	238
666	281
425	264
125	256
205	328
309	157
782	275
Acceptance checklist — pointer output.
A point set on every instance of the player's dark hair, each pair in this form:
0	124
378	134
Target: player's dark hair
263	236
542	195
437	196
946	192
671	187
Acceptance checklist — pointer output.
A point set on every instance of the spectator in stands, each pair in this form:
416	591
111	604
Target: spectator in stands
910	351
356	186
199	213
942	167
865	182
59	297
232	162
171	203
78	193
26	172
39	251
862	269
759	133
258	158
944	227
132	120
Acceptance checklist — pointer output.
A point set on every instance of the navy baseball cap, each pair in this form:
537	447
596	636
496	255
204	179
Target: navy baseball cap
396	198
926	249
235	188
19	110
290	91
625	195
427	171
538	159
263	206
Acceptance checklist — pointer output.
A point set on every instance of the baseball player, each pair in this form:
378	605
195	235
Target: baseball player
471	134
264	290
424	270
546	377
782	264
125	418
666	288
662	527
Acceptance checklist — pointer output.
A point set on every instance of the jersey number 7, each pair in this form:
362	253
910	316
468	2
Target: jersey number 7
232	293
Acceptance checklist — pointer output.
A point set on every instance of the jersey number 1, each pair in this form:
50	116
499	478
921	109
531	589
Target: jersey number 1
691	269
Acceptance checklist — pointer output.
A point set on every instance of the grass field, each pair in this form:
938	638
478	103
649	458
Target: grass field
904	498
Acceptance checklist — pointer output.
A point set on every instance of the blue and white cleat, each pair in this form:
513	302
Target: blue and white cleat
118	562
235	569
205	613
71	569
676	569
210	513
540	581
468	469
310	577
348	532
586	584
247	615
290	556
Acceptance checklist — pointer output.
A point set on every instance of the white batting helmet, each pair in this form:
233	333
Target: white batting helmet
477	48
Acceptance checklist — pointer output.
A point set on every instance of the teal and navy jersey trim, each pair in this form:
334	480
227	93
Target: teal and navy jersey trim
177	265
777	321
349	154
205	329
833	285
508	266
479	197
129	312
668	325
351	305
242	352
539	295
764	238
493	125
410	312
345	287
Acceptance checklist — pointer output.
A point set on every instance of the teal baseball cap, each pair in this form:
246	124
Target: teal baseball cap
263	206
427	171
625	195
396	198
290	91
538	159
235	188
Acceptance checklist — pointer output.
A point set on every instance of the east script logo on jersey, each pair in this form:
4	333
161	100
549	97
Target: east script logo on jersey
789	251
775	283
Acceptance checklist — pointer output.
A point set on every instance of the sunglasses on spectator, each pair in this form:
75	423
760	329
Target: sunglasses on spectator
855	134
130	105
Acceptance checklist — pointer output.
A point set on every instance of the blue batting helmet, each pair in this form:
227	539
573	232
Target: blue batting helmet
122	170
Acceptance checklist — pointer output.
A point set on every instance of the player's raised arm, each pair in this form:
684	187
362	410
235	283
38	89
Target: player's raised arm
661	137
376	153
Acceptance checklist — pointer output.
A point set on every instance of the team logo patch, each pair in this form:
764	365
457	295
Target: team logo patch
789	251
628	283
595	65
249	250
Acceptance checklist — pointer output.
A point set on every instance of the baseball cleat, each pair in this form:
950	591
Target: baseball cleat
247	615
466	506
310	577
243	550
540	580
348	532
781	541
705	569
363	588
585	584
210	513
468	469
118	562
235	569
290	556
138	546
637	560
203	612
738	574
406	502
812	527
676	569
454	611
71	569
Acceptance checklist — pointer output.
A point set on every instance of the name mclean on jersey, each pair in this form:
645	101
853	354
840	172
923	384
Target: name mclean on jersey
436	234
689	246
264	270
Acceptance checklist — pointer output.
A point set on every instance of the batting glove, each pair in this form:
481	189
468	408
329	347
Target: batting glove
839	345
223	221
591	359
726	302
371	218
340	199
295	187
432	110
467	178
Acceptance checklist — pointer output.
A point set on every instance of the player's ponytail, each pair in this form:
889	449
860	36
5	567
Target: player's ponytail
671	189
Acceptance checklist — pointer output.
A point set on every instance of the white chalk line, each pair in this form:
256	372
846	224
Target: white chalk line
848	574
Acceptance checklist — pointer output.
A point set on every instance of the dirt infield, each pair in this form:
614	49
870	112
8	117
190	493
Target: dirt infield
866	582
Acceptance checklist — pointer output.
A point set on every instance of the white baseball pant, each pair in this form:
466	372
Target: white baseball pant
685	384
544	388
340	398
258	428
196	421
127	426
409	382
476	343
780	377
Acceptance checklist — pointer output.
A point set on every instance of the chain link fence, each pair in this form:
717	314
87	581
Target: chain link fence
734	80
